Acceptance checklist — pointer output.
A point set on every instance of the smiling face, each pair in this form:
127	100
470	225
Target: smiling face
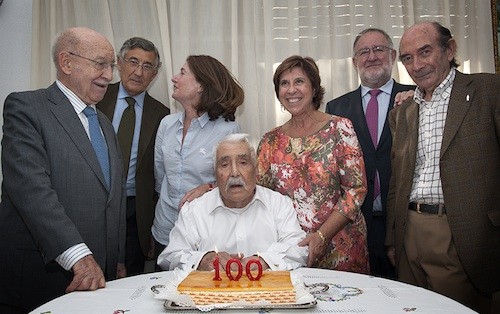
236	173
187	90
134	78
295	91
426	61
374	69
81	75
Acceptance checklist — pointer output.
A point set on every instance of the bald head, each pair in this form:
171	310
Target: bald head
77	39
84	60
427	50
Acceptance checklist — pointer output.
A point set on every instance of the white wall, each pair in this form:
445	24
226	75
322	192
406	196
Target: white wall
15	50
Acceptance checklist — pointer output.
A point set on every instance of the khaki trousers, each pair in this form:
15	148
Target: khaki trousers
430	260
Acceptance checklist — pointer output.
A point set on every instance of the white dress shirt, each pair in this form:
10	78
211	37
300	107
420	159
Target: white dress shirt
73	254
268	226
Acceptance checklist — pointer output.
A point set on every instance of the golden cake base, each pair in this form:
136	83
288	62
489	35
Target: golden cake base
274	286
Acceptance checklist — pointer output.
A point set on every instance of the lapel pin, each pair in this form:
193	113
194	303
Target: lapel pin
467	98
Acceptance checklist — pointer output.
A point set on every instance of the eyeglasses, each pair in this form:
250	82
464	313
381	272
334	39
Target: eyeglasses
98	65
134	63
365	52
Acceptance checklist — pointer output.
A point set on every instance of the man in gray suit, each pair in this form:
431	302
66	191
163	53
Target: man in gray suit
373	58
62	215
443	202
138	63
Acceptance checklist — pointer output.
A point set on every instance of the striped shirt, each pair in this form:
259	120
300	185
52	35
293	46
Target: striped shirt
78	251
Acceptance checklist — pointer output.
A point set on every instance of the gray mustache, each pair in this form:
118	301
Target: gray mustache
232	181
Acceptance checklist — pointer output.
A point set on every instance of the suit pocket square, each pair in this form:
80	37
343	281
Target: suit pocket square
494	216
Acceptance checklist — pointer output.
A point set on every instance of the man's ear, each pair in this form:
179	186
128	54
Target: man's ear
64	62
452	49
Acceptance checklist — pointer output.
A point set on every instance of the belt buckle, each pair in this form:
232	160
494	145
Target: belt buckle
418	208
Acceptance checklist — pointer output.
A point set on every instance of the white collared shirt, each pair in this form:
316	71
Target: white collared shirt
69	257
268	226
383	99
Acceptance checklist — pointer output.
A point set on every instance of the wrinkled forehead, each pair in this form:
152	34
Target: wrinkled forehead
94	43
371	38
419	32
232	150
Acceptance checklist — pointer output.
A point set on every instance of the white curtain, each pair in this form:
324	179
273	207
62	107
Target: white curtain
251	37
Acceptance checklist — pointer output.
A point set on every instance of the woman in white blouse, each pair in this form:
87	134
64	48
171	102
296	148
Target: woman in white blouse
209	95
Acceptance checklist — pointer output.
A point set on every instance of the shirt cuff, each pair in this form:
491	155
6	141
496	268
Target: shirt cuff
72	255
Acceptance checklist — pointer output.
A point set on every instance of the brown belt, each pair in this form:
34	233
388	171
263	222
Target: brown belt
427	208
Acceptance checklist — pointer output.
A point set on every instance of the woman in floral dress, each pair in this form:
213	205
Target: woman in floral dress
315	158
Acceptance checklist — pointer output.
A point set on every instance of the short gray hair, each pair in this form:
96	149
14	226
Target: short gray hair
373	30
142	43
236	138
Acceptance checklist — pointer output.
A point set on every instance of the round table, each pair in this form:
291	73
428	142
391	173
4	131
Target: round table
347	293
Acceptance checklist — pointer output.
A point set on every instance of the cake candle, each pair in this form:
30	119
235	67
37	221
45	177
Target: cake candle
216	264
259	268
228	269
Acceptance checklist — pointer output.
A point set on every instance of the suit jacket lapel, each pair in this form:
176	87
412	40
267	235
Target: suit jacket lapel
109	135
356	103
412	131
386	132
461	97
148	125
66	116
108	103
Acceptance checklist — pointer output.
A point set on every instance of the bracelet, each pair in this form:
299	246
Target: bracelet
344	214
321	236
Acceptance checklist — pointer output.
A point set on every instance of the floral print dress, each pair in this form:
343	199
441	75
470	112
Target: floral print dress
323	172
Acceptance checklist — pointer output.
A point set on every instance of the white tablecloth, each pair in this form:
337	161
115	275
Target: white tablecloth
347	293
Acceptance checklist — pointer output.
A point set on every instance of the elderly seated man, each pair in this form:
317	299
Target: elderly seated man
238	219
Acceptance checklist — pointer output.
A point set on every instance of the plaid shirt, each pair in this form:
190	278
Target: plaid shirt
427	187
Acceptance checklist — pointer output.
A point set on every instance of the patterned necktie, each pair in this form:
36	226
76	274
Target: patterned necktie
126	132
372	122
98	142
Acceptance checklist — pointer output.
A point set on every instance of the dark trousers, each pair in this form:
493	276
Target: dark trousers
10	309
27	282
379	262
158	249
134	257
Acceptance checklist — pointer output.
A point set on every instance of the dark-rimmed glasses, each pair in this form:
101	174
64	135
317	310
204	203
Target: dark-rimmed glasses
134	64
365	52
98	65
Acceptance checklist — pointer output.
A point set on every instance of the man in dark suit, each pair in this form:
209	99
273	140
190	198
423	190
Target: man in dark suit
62	215
443	203
373	59
138	63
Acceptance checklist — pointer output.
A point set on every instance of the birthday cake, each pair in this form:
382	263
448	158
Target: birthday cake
274	286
